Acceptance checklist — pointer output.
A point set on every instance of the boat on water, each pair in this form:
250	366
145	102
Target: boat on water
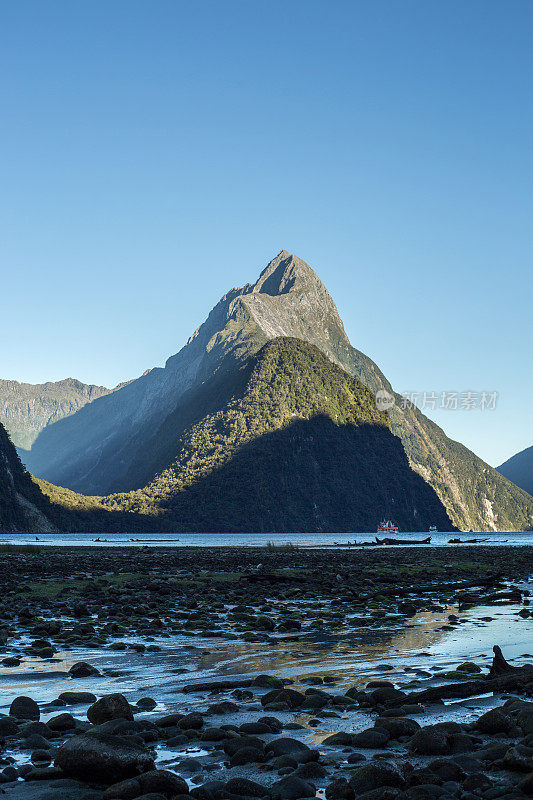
387	526
433	529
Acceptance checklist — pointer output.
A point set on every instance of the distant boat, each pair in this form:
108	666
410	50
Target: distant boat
433	529
386	526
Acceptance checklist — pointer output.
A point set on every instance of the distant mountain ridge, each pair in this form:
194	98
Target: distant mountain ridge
519	469
26	409
102	448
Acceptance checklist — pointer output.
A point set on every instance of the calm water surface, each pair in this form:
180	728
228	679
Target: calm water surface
249	539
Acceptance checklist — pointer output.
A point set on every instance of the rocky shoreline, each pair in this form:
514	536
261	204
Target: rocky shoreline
395	736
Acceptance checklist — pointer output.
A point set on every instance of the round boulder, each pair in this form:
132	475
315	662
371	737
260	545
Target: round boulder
110	706
24	708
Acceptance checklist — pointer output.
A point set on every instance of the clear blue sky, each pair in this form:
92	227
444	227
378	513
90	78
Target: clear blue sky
156	153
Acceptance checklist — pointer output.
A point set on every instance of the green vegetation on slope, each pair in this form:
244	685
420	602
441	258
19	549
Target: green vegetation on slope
291	443
23	507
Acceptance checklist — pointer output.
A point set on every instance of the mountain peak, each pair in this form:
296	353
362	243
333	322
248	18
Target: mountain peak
285	273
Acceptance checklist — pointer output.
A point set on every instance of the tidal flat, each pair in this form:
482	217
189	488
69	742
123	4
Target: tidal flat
275	672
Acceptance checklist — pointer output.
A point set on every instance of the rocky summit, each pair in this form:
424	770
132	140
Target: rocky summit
101	448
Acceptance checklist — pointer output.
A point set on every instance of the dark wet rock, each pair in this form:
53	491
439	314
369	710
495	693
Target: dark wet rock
225	707
77	698
286	746
81	669
264	623
111	706
518	759
191	722
338	739
339	789
53	789
386	695
478	781
146	703
398	726
208	790
177	741
267	682
292	788
38	773
24	708
8	726
469	667
424	792
355	758
526	785
232	745
103	757
212	734
247	755
494	721
311	771
524	716
493	753
189	765
158	781
430	741
10	661
372	737
273	723
284	762
245	788
41	757
446	769
290	697
169	720
256	728
10	773
36	742
40	728
379	685
375	776
62	722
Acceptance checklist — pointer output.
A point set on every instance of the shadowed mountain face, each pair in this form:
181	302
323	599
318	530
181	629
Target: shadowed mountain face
22	505
284	441
112	444
519	469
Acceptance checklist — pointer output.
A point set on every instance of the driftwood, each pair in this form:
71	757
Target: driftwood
501	677
403	541
466	541
478	599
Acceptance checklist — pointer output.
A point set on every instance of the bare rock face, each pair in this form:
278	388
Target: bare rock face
103	758
100	448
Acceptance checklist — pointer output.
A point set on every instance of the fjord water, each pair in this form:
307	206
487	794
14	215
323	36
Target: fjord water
253	539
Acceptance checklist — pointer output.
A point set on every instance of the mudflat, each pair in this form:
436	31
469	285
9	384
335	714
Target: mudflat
269	671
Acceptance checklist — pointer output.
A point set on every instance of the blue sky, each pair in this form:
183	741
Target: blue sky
155	154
